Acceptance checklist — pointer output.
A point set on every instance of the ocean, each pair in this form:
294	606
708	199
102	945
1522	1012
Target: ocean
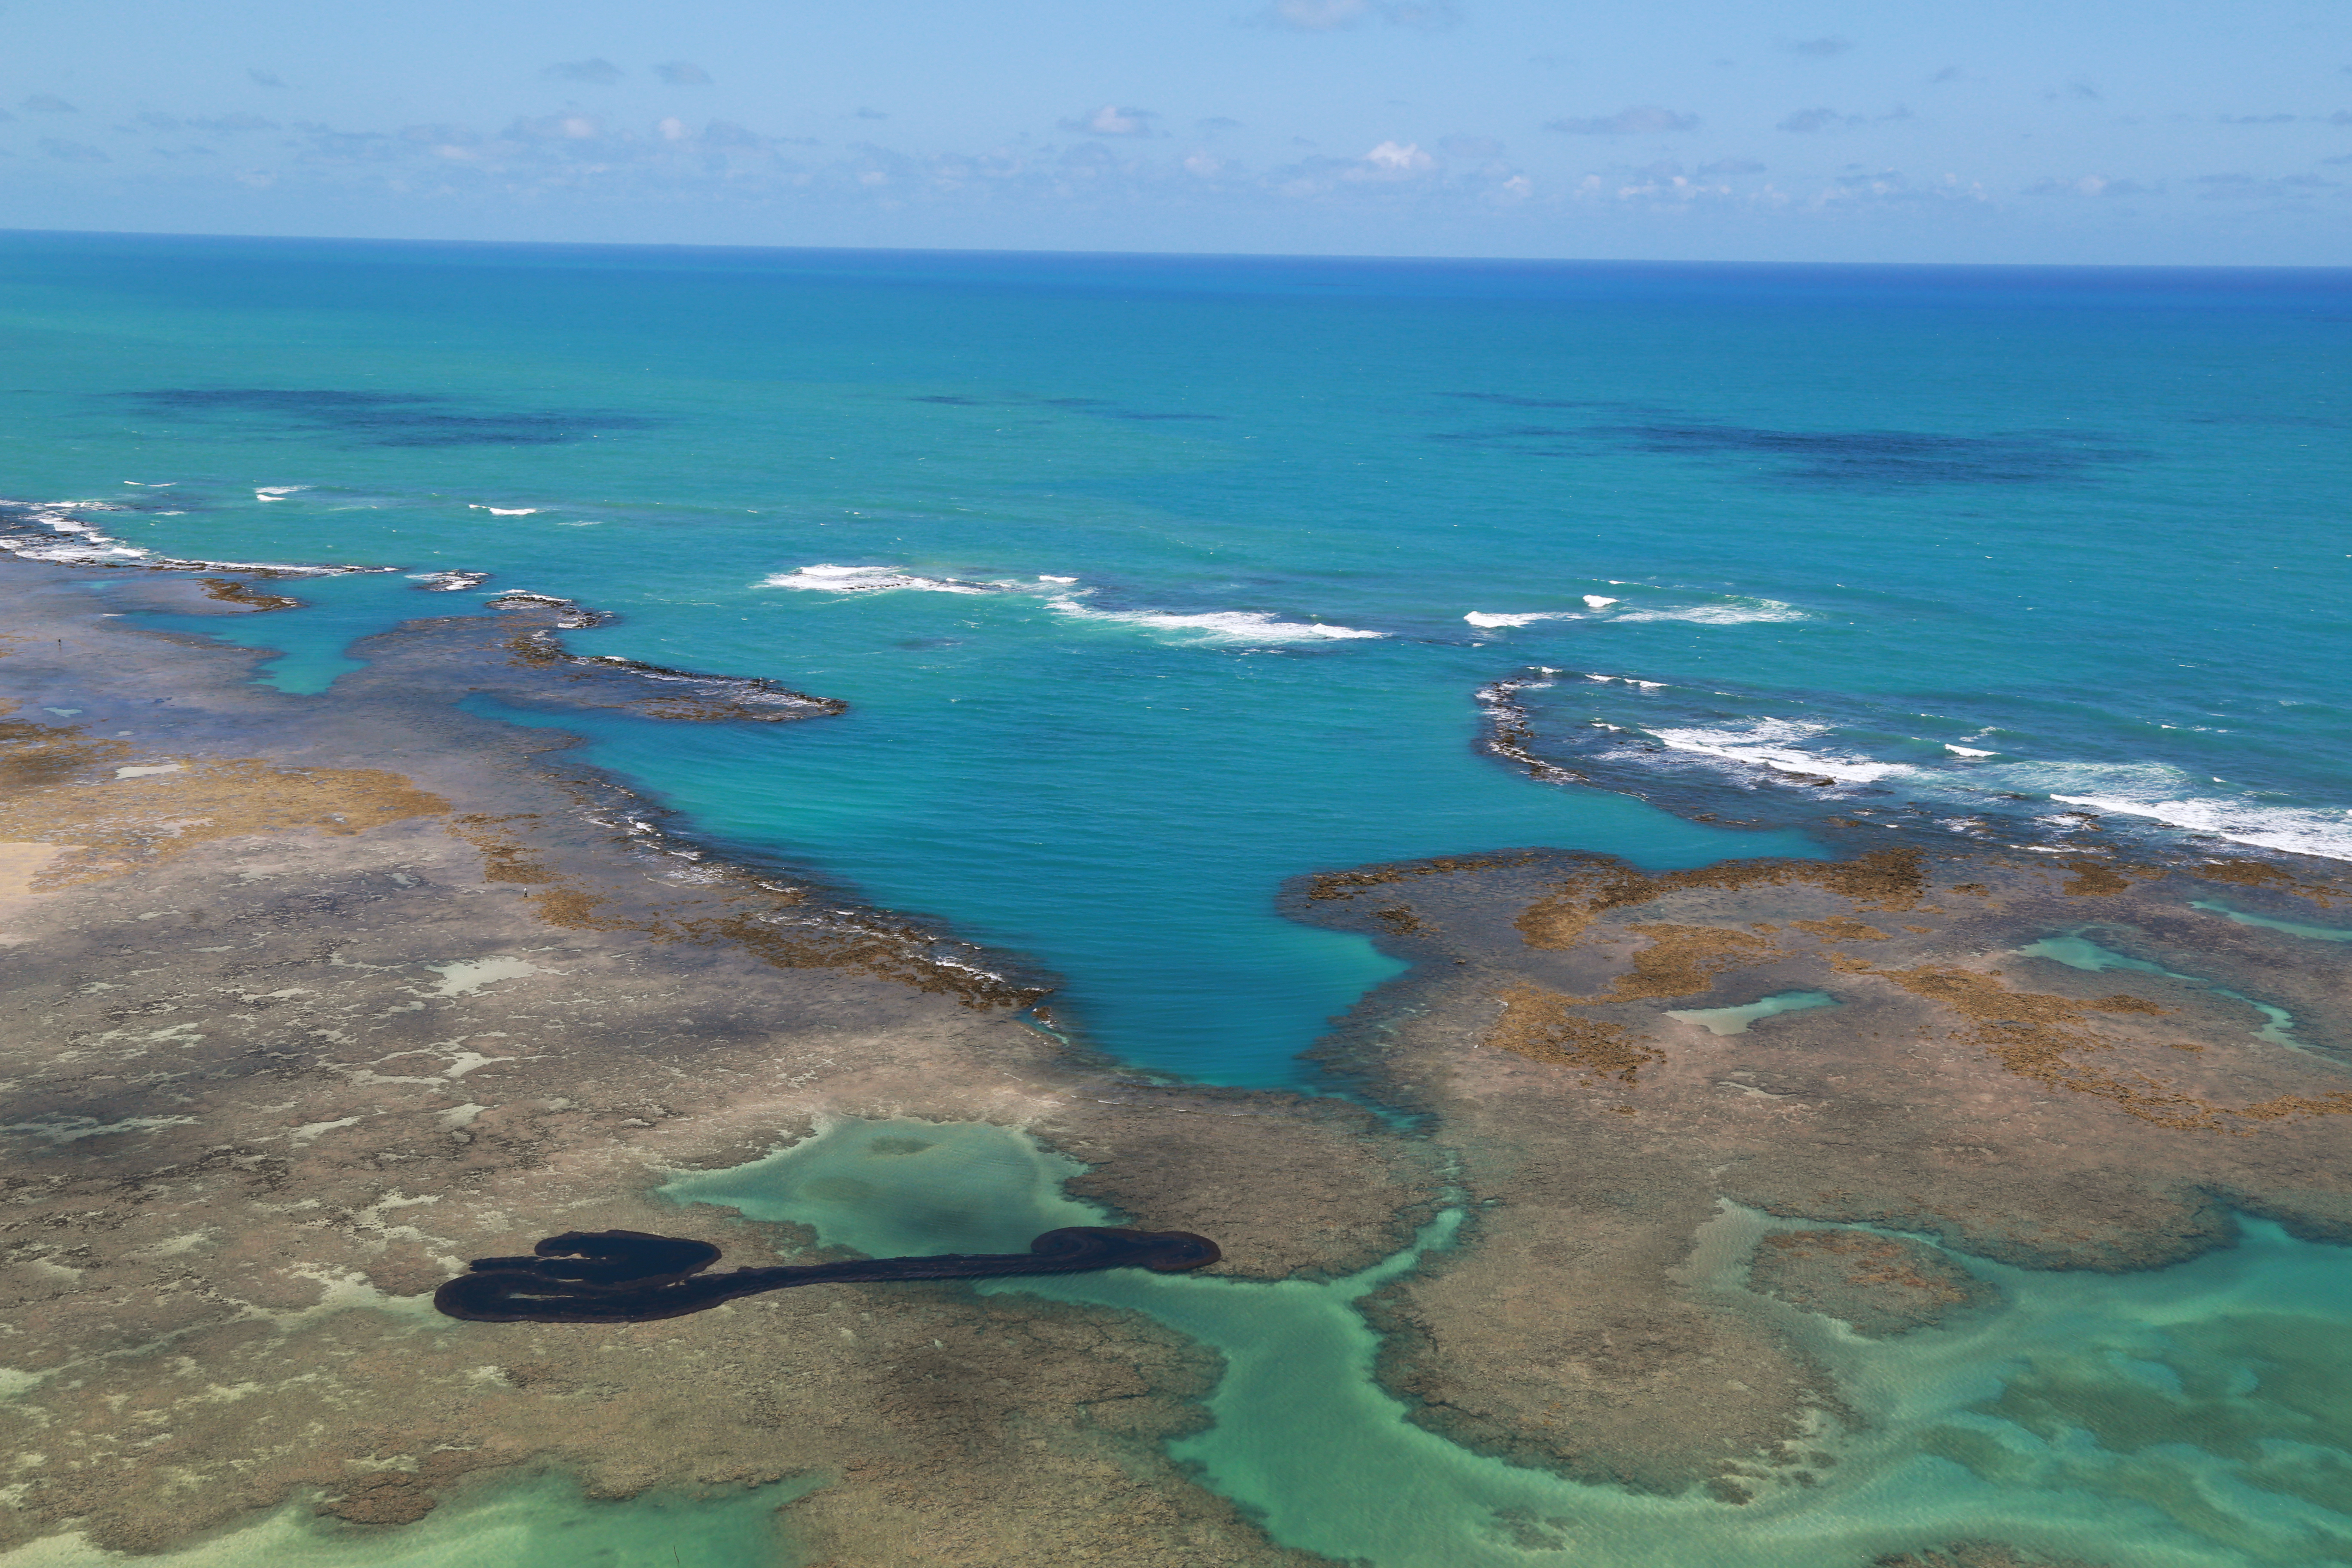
1153	583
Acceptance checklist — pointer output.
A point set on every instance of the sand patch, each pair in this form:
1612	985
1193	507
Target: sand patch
20	864
101	818
467	975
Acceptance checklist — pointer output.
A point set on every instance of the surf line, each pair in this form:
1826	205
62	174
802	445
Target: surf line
634	1276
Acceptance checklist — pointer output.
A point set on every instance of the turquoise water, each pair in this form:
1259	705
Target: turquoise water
1737	1020
532	1521
2095	513
2082	952
2194	1416
1152	582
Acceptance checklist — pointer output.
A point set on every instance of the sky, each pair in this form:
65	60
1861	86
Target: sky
2099	132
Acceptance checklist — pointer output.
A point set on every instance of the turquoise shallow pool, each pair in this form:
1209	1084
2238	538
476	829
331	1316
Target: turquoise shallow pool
2199	1414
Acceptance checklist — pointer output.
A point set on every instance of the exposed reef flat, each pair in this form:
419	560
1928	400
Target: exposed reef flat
2052	1061
308	999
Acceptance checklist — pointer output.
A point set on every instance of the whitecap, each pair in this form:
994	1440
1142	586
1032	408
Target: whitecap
1967	751
277	492
830	579
1770	744
1047	579
68	541
2292	829
503	510
1481	618
1600	600
1732	614
1222	625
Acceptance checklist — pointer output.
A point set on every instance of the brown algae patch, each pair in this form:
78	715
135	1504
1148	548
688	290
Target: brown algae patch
1880	1285
2040	1037
1538	1025
1681	959
229	591
51	792
1884	879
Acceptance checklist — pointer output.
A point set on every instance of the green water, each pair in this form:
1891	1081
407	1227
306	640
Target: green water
1736	1020
2316	933
2194	1416
2081	952
538	1521
2197	1416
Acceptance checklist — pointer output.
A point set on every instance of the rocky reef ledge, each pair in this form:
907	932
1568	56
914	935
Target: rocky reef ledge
2052	1061
308	999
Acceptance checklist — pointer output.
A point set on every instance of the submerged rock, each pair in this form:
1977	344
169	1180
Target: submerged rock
1881	1285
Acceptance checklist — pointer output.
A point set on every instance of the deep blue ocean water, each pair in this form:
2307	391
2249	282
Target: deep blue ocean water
1153	582
1214	528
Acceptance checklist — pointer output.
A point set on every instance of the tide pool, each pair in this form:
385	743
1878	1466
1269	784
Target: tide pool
532	1521
2194	1416
1739	1020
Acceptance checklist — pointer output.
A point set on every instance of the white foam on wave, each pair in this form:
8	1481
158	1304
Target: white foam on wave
277	492
825	578
1219	625
1733	615
1481	618
1739	612
2295	830
503	510
1967	751
1771	743
69	541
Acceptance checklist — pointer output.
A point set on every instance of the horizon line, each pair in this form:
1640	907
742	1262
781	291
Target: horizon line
1204	256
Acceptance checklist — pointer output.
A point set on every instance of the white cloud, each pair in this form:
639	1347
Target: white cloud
1644	119
2090	185
1111	120
1330	15
600	72
1398	160
1807	121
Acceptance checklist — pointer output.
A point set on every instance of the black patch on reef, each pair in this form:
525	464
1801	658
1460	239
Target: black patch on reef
385	418
632	1276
